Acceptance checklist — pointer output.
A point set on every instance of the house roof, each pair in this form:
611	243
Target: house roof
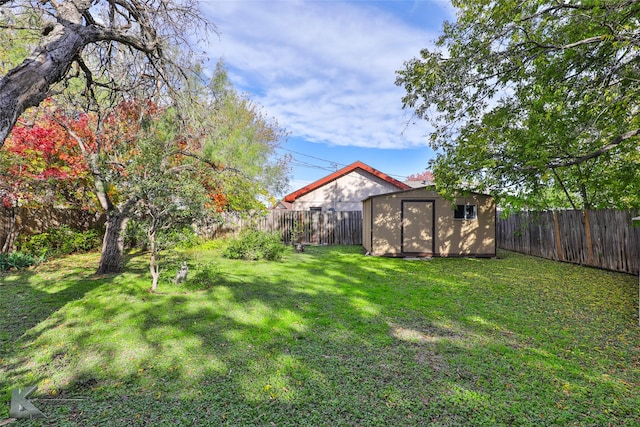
344	171
418	184
282	205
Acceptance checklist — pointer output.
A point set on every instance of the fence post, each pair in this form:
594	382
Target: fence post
587	232
559	250
632	221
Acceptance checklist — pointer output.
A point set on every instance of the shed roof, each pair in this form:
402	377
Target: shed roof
339	173
460	194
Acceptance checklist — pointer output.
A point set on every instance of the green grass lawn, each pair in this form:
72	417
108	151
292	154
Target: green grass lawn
328	337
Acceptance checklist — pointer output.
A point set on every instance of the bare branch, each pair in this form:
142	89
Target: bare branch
139	26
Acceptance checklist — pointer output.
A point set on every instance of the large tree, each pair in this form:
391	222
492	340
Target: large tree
211	130
91	40
535	100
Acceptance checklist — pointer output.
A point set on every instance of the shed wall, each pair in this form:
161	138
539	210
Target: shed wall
366	225
452	237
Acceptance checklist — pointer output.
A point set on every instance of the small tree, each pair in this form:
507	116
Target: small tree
108	143
171	197
425	176
40	166
165	214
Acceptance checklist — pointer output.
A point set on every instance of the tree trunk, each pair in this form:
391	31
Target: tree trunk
113	244
153	267
28	84
11	235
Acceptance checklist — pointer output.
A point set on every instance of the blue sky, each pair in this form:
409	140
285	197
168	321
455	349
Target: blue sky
325	70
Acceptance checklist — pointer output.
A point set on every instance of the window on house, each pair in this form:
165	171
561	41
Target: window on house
466	212
315	209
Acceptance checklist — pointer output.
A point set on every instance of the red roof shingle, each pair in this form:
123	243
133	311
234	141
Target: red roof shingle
337	174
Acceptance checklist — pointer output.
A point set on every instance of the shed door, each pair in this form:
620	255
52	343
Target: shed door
417	226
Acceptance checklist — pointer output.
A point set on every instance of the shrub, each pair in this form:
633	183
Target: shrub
38	244
255	245
60	241
135	235
79	241
211	245
17	260
204	278
185	238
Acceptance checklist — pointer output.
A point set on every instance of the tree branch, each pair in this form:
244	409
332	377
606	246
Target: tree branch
90	158
141	26
610	146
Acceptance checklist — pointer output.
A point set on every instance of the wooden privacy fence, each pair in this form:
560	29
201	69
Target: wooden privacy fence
316	228
15	221
603	238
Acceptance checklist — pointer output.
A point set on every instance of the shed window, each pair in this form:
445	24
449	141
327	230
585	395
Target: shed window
466	212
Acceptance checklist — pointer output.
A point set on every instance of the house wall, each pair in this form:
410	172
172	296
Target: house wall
345	193
452	237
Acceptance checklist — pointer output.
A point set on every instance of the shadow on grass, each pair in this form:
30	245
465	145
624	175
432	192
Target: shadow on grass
237	332
328	336
26	308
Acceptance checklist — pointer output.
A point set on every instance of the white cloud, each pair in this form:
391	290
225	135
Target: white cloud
325	70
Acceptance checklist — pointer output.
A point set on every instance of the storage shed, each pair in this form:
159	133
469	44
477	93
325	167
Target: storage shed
421	223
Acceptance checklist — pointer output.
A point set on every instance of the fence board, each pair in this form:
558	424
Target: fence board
316	228
600	238
30	221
